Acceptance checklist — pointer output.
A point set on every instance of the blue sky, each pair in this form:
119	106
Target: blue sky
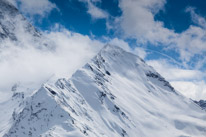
73	15
169	34
175	17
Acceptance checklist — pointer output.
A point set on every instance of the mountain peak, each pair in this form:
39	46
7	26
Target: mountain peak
115	94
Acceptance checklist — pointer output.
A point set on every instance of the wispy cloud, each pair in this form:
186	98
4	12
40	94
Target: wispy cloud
34	7
121	43
197	19
94	11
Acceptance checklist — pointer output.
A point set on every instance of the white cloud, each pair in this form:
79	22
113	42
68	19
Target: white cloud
140	52
188	82
29	65
121	43
175	73
137	21
34	7
195	90
191	42
94	11
196	18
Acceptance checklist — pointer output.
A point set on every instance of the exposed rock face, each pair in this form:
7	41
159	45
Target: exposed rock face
201	103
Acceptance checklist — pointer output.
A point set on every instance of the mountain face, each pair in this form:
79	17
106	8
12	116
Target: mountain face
11	21
115	94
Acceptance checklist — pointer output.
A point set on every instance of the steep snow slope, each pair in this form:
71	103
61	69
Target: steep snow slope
11	103
115	94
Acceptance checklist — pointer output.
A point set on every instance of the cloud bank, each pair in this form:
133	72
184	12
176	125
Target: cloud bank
32	66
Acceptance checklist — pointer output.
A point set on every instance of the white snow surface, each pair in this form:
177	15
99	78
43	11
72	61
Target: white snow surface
115	94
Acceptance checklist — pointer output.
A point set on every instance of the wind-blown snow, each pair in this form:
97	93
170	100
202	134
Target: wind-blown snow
115	94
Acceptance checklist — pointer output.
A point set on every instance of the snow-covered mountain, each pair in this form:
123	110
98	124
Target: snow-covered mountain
15	29
115	94
10	20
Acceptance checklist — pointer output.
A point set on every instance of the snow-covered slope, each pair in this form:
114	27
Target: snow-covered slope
115	94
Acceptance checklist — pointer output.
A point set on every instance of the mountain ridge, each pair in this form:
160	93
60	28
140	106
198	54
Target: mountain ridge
101	99
114	94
